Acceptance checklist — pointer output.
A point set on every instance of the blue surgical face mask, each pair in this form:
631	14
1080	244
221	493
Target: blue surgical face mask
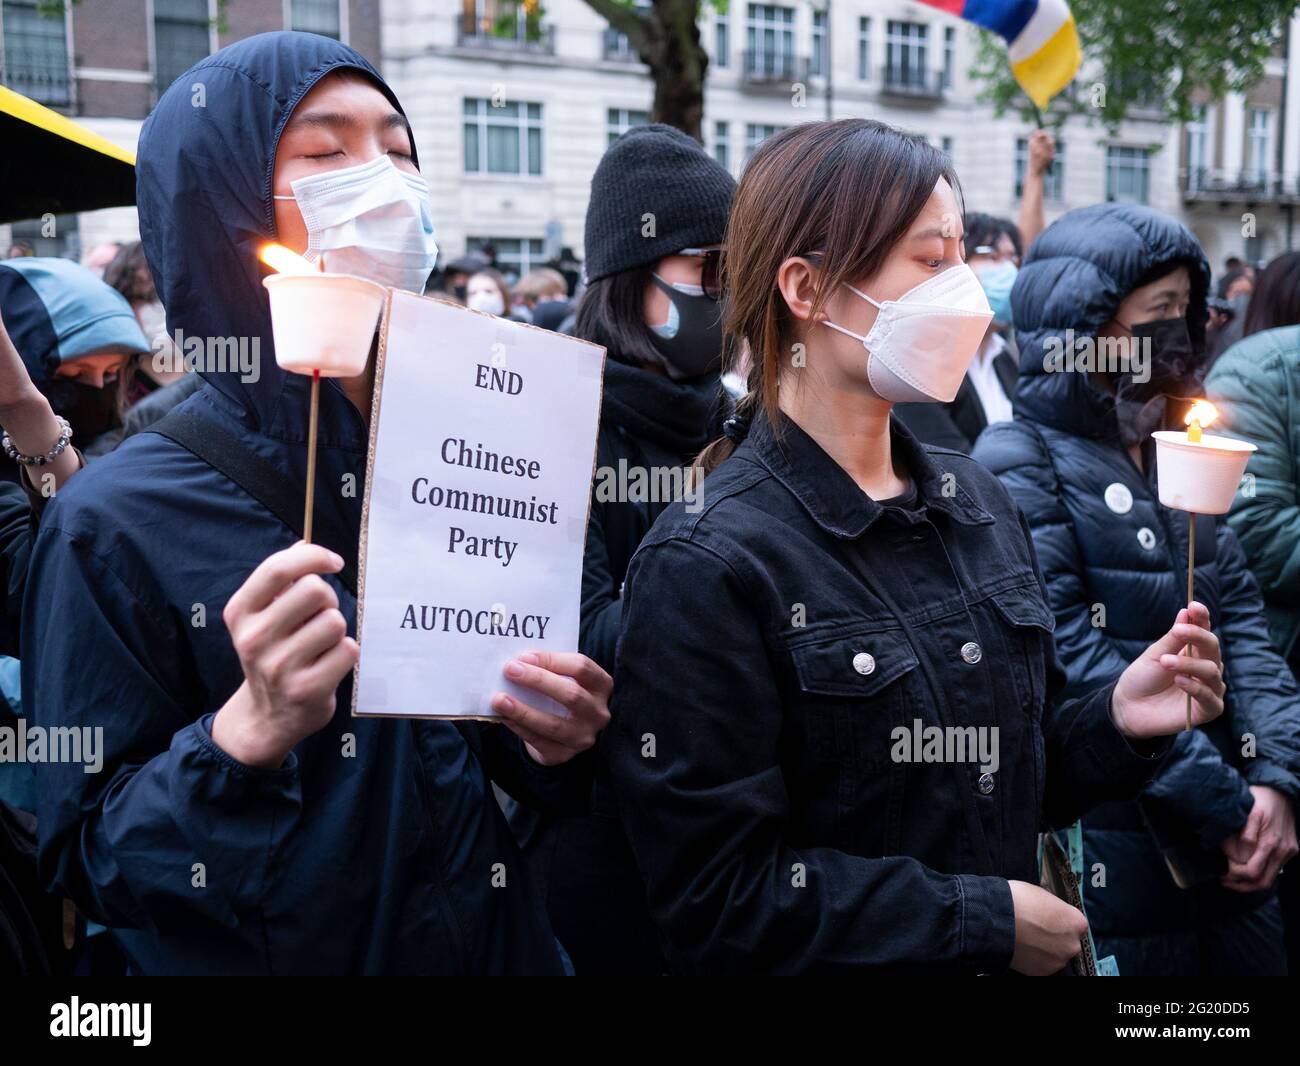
371	220
997	281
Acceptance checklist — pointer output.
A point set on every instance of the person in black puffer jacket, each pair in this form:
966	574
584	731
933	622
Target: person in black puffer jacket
1079	460
655	223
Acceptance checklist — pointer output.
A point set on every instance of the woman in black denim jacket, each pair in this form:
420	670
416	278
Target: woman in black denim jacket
834	736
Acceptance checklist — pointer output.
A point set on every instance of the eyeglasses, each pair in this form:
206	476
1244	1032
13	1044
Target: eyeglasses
710	271
998	257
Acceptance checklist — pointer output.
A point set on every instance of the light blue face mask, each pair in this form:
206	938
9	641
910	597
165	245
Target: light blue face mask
997	282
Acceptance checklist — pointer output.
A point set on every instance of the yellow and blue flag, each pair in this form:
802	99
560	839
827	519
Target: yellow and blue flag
1042	41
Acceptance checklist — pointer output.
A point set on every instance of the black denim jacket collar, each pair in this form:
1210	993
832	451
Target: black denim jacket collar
833	498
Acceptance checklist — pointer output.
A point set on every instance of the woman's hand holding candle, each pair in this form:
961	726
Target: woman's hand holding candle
1150	697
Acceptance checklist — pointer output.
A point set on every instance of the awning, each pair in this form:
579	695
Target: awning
52	164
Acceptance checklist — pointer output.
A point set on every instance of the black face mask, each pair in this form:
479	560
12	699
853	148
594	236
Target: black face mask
1141	406
90	410
460	292
695	348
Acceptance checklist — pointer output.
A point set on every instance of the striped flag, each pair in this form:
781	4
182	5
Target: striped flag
1042	42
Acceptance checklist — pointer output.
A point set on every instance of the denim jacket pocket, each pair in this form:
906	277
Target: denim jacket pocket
1029	623
852	692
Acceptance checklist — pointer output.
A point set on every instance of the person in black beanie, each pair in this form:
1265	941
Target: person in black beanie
655	222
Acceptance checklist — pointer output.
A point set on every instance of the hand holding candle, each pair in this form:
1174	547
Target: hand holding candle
323	324
1198	472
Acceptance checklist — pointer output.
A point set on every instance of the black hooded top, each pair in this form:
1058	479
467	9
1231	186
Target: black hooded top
374	847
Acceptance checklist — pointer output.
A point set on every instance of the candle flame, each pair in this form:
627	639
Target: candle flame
285	261
1202	414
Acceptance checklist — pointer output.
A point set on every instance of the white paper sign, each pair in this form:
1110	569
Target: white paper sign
483	442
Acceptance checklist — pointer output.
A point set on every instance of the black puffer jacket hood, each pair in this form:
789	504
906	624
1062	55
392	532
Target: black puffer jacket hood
1074	278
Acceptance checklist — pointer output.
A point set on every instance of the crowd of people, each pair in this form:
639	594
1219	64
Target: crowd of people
903	516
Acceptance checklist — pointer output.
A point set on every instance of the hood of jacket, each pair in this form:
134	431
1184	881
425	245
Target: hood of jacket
56	311
1075	277
205	163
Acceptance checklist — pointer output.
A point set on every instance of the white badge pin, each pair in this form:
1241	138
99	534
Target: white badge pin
1118	498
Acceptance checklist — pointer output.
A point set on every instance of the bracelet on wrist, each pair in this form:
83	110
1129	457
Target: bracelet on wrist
65	437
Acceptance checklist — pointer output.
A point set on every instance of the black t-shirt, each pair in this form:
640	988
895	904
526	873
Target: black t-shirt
908	500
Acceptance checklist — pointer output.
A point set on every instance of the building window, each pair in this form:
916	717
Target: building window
1053	180
945	146
722	144
756	134
502	140
182	34
817	65
35	56
513	256
513	22
864	49
1128	174
1259	146
949	56
316	16
618	120
1198	148
769	40
722	39
616	44
906	47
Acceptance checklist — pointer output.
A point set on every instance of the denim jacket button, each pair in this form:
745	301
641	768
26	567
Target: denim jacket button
864	663
985	784
971	652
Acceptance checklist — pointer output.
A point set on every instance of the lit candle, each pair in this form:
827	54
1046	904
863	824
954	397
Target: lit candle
285	261
323	325
1202	414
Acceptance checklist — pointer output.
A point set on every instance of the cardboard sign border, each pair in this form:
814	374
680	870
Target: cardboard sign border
375	405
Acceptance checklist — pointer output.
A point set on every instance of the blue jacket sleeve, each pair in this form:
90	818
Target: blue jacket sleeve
707	809
161	829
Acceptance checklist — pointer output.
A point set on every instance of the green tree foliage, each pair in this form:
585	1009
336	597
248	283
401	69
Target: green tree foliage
1149	56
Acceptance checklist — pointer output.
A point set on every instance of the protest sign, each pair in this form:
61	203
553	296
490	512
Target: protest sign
482	449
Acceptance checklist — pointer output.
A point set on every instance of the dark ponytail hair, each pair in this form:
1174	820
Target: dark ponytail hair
850	190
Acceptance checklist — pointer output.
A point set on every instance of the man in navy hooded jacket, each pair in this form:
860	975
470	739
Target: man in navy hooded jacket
243	821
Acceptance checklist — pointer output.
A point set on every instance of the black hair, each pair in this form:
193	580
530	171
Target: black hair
611	313
1226	282
1276	299
982	229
